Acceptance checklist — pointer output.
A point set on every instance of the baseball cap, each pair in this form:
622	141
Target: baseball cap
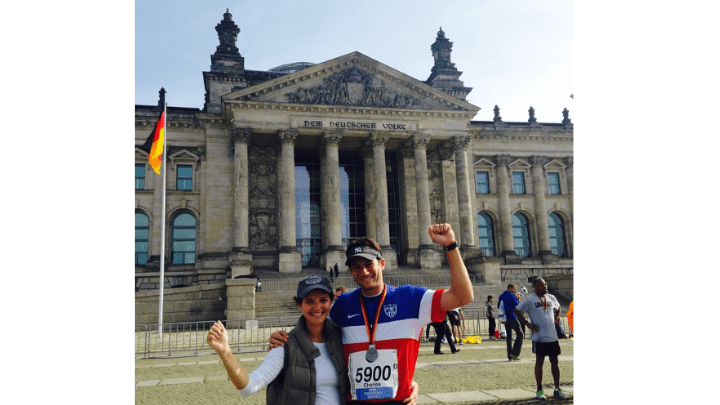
361	251
313	282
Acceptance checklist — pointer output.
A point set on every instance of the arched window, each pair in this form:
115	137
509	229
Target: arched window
557	235
142	236
183	239
521	235
486	234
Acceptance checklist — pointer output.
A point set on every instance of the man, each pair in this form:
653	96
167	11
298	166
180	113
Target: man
490	314
544	312
381	324
455	316
509	300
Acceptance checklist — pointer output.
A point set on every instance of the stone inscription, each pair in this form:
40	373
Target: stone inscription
354	125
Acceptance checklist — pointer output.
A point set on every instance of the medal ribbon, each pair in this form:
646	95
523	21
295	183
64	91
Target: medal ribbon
371	335
544	303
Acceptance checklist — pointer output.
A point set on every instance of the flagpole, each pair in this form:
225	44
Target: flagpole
162	216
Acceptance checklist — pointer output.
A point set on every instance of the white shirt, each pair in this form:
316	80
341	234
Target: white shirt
327	387
544	318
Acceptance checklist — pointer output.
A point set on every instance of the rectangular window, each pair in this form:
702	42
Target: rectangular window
184	177
518	179
553	183
483	182
139	177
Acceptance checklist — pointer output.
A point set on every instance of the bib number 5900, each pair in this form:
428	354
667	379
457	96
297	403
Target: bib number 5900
376	373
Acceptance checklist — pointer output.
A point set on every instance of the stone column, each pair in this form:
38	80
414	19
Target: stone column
541	218
469	247
331	217
241	257
409	209
506	237
382	237
240	298
370	217
428	257
290	260
569	174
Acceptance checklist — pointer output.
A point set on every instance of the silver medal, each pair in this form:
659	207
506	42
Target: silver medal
371	354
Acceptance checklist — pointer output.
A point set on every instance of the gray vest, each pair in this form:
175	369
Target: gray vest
296	382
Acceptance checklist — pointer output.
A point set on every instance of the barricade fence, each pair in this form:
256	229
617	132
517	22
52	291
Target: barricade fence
184	339
428	280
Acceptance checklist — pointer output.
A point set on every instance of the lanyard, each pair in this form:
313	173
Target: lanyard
371	334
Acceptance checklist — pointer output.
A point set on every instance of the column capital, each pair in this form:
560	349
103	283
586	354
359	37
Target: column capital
419	141
502	159
332	138
378	139
241	135
538	160
460	142
287	135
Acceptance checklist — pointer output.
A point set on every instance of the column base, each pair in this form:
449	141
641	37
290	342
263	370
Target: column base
290	262
511	257
469	251
489	268
390	256
335	254
240	265
240	298
428	258
548	257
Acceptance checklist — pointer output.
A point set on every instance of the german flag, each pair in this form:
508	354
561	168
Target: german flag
155	144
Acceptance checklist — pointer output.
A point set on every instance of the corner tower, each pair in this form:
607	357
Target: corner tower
227	65
444	75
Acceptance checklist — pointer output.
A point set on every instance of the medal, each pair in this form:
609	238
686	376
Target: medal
371	354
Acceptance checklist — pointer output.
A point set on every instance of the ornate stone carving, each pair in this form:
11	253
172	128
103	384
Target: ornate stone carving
420	141
502	159
566	117
460	142
331	138
497	118
353	87
532	120
241	135
378	140
288	135
263	198
538	160
227	33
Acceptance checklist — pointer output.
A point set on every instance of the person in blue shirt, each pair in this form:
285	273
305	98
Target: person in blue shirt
509	300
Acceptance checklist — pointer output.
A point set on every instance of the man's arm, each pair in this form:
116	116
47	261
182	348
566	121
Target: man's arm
460	292
523	321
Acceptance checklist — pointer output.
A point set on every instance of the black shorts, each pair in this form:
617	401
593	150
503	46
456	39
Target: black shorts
454	318
546	348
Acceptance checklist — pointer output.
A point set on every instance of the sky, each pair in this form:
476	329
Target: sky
513	53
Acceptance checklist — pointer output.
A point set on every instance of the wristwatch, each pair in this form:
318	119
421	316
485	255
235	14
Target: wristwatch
451	246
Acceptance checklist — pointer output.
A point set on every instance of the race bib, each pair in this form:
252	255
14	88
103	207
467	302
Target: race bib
376	380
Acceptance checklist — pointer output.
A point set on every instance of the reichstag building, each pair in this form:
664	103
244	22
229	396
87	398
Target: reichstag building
281	168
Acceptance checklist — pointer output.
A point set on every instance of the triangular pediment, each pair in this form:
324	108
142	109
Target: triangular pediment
352	80
519	164
483	162
184	154
554	164
140	154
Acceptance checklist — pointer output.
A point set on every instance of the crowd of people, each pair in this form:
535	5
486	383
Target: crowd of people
361	346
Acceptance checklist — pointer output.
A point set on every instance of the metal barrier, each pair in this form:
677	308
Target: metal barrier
425	280
189	338
186	339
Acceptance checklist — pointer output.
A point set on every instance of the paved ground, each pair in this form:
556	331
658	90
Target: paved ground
478	374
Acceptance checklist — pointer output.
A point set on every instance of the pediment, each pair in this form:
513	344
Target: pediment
554	164
352	80
140	154
520	164
184	154
483	162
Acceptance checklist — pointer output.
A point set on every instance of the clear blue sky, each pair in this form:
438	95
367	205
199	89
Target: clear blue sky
513	53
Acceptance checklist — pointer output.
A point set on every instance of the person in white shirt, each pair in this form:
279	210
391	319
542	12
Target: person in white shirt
544	312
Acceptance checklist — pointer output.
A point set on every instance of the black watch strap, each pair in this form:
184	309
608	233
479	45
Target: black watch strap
451	246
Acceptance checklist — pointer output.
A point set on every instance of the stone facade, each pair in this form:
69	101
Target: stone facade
408	155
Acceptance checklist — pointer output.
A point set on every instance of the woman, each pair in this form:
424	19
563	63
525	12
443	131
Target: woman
316	372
